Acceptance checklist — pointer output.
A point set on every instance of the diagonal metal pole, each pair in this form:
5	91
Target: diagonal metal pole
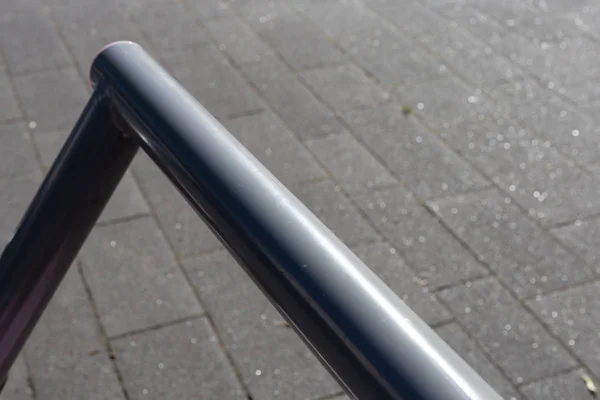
369	340
58	220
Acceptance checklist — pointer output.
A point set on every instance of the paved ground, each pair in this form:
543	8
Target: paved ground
454	146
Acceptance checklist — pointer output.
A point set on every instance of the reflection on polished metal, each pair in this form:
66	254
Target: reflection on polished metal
374	345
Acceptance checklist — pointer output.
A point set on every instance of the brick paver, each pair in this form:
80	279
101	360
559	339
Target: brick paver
526	257
134	277
193	364
506	331
68	347
62	103
453	145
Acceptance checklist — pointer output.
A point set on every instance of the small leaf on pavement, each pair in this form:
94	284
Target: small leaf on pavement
589	384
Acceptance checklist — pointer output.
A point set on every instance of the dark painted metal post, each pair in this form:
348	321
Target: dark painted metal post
363	333
59	219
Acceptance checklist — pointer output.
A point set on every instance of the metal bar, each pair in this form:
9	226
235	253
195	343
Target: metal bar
57	222
364	334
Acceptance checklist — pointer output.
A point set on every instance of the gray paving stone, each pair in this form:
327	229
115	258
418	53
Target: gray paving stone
350	163
586	19
217	85
592	108
53	99
560	6
16	151
236	305
544	65
9	109
480	65
259	5
419	159
512	337
474	60
540	27
441	103
127	199
447	45
566	49
548	29
237	40
29	41
180	361
437	258
341	20
468	350
87	27
275	147
507	13
169	26
395	61
344	87
329	204
525	256
64	12
565	386
573	316
572	132
594	169
550	187
17	386
66	353
271	359
376	46
265	70
442	38
481	131
209	9
186	232
15	195
290	99
467	17
412	18
386	263
563	67
583	238
258	12
524	98
134	278
582	93
285	368
519	50
281	32
540	179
